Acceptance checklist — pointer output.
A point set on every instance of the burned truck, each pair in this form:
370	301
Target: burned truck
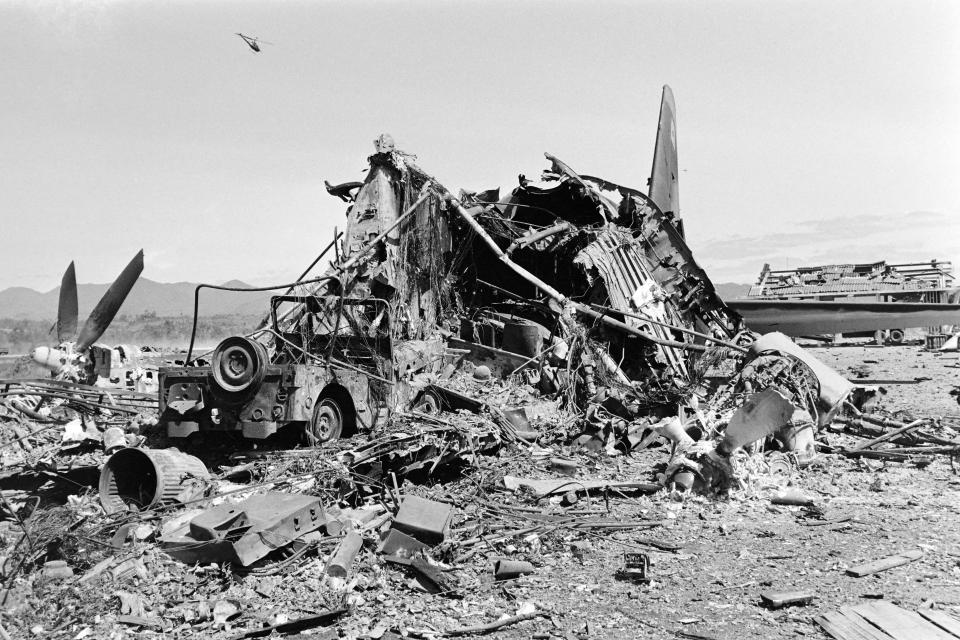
323	366
351	348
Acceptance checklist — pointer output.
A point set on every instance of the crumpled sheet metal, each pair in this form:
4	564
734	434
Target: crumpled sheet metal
413	448
618	261
670	261
639	254
669	258
834	388
375	209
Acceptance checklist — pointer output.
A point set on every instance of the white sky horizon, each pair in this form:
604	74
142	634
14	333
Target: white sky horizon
809	132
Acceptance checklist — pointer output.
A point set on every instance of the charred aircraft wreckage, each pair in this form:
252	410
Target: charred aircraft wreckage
582	289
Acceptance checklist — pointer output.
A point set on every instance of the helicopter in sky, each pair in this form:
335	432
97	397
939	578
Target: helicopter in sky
253	42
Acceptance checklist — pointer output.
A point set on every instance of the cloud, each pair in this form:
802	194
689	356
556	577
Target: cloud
916	236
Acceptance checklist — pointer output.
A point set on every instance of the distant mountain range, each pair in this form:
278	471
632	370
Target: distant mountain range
165	299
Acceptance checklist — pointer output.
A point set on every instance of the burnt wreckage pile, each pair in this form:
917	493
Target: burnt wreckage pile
583	289
582	292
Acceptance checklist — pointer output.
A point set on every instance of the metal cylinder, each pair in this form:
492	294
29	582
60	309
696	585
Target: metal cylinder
522	338
141	478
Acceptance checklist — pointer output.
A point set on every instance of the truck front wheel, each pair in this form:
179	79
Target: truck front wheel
326	423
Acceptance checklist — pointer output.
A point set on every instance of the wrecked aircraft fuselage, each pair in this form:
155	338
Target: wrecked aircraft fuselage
585	288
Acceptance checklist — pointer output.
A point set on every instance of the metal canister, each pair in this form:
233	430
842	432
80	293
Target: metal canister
522	338
137	479
114	438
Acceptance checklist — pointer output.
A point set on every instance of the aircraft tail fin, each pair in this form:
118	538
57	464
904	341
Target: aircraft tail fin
664	187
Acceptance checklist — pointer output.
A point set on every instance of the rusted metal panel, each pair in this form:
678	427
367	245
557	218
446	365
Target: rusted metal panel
246	531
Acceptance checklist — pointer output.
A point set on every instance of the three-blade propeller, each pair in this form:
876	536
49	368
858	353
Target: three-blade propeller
103	314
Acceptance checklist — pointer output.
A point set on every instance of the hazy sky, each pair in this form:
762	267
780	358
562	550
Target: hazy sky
808	131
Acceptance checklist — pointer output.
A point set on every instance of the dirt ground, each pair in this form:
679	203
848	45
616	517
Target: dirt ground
725	552
935	374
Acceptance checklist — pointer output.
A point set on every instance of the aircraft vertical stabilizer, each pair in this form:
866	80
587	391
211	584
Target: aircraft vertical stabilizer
664	186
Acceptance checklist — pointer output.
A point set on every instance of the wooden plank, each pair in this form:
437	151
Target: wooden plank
885	563
943	620
900	623
864	625
837	627
845	625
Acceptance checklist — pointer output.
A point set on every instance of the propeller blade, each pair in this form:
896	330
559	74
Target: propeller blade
102	315
67	309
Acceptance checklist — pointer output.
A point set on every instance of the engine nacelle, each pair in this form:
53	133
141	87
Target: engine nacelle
55	360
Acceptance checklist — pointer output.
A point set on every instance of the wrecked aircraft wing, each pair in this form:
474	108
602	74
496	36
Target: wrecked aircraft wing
812	317
852	298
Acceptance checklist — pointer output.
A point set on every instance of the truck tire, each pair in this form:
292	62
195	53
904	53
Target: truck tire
238	365
326	423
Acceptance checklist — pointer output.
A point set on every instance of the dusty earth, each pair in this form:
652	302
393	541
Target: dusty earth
730	550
